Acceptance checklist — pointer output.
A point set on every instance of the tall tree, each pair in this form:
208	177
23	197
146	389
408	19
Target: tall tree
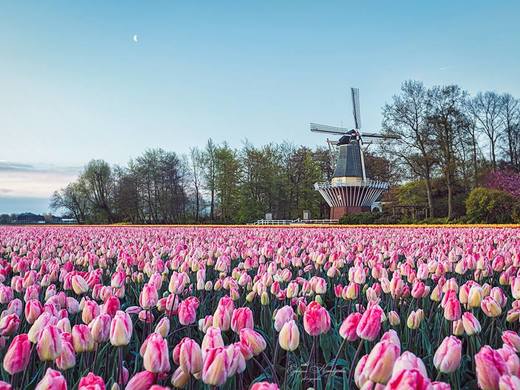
406	117
511	128
196	164
209	159
227	180
446	119
487	109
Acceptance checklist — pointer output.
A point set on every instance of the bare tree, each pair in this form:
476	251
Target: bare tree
446	119
511	129
406	117
487	109
196	162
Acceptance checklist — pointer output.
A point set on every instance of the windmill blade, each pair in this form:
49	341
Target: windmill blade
379	136
317	128
355	107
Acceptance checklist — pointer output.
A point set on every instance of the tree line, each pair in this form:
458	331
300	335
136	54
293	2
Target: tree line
446	136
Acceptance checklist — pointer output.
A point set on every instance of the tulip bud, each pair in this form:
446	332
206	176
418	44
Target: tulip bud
490	366
9	324
242	318
381	361
289	337
121	329
163	327
316	319
52	380
79	285
180	378
370	323
141	381
156	356
470	323
283	315
264	298
214	370
49	344
512	339
348	328
82	339
17	356
393	318
448	355
253	340
91	382
490	307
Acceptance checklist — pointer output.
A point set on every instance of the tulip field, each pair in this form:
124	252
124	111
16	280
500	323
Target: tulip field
262	308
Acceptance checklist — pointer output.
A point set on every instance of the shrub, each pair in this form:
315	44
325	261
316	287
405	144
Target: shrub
366	218
485	205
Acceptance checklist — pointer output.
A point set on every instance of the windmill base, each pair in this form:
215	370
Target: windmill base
338	212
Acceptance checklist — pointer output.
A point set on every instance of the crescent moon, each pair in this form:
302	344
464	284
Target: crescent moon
135	38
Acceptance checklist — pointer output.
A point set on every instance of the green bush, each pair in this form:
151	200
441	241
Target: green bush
485	205
366	218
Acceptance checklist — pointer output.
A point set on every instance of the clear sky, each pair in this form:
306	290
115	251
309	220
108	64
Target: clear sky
74	85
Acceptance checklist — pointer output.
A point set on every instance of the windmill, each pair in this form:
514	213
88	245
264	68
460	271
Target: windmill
350	190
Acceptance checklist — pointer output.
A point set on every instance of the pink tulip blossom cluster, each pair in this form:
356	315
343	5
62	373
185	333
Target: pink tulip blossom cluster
259	308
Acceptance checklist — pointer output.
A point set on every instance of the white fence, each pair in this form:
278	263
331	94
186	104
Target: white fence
296	221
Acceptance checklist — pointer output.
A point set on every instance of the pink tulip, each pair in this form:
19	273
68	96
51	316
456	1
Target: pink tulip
141	381
490	367
381	361
188	355
253	340
82	339
448	355
470	323
348	328
452	310
408	361
512	339
156	356
283	315
9	324
222	315
121	329
49	345
53	380
91	382
409	380
212	339
370	323
509	382
289	337
17	356
264	386
188	311
148	296
67	358
214	370
33	309
100	328
316	319
242	318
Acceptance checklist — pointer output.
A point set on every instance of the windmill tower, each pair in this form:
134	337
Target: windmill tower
350	191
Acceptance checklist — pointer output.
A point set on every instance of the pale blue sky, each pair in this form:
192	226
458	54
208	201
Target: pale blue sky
75	86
